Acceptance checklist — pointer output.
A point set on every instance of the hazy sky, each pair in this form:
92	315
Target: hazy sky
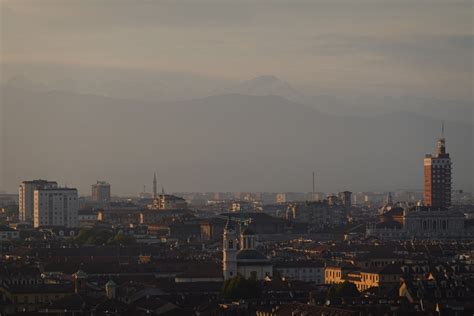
413	47
352	48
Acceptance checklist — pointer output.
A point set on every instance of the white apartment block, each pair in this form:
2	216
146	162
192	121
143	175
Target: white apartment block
26	197
56	207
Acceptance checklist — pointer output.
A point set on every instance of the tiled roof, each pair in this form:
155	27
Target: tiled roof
250	254
41	288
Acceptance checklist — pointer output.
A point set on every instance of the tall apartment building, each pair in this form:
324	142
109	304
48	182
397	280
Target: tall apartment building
101	192
26	197
437	177
346	198
55	207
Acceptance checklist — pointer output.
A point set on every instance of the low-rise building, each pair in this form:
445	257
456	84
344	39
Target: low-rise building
383	277
7	233
168	202
318	214
307	271
421	222
334	274
87	218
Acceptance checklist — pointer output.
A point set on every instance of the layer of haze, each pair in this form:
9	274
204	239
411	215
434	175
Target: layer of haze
116	90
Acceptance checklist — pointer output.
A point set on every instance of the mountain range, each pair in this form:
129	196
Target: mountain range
227	142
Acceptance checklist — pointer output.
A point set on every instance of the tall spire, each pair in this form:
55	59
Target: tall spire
442	129
155	191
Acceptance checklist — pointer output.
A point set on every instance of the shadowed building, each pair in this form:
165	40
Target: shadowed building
101	192
26	197
240	256
56	207
346	198
437	176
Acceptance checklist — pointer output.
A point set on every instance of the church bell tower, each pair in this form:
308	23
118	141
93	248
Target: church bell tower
229	250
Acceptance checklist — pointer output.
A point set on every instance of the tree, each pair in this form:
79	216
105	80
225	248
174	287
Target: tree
240	288
342	290
121	239
98	236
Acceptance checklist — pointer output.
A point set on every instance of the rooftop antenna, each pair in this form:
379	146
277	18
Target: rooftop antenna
442	129
313	196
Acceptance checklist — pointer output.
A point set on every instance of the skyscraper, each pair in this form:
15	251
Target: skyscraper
26	197
437	170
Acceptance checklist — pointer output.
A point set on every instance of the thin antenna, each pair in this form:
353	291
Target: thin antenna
442	129
313	196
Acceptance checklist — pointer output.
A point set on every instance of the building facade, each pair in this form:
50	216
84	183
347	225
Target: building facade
306	271
101	192
421	222
346	198
239	256
168	202
334	274
26	197
7	233
437	177
56	207
319	215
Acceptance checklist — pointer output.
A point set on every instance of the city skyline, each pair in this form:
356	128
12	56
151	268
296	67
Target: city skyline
236	157
437	186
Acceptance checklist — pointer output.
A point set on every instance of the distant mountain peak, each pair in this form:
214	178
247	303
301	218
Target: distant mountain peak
266	78
265	85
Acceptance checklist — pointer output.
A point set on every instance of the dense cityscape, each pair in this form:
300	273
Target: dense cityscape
239	253
237	157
